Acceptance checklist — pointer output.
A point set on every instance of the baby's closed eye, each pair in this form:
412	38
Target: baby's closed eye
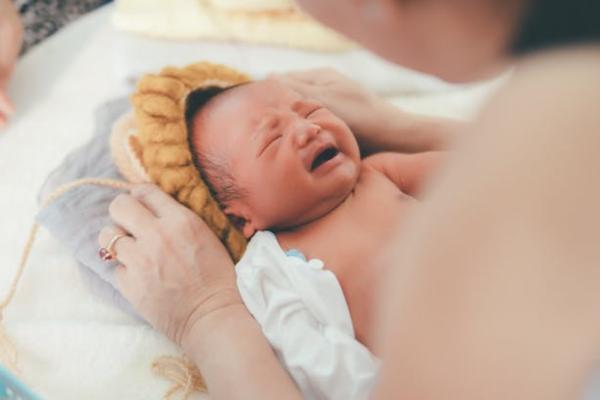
271	138
305	108
313	111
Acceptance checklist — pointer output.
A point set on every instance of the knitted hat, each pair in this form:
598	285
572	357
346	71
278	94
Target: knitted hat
152	144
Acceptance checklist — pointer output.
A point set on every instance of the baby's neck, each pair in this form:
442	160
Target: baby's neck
302	237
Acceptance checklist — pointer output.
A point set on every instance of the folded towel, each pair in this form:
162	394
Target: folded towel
302	311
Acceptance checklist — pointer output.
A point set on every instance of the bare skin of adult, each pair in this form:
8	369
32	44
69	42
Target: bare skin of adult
11	37
493	294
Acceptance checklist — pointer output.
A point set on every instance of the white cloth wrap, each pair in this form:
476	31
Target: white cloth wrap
303	313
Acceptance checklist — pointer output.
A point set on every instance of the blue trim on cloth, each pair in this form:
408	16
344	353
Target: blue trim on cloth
295	253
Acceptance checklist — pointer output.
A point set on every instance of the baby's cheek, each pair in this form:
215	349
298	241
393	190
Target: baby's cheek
290	208
280	194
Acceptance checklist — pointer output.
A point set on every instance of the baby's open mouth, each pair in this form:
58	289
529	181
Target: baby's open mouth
322	157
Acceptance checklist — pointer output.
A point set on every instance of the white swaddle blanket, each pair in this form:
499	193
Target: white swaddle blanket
303	313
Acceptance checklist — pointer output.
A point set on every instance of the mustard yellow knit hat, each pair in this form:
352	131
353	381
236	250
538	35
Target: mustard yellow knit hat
152	145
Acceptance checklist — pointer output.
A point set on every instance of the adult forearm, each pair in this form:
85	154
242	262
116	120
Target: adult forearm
392	129
236	359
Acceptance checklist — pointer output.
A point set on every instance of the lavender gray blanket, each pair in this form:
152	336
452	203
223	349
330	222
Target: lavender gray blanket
77	217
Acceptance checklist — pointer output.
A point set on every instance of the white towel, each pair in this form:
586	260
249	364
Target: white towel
303	313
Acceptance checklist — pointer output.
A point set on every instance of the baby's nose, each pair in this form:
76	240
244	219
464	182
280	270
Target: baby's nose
305	133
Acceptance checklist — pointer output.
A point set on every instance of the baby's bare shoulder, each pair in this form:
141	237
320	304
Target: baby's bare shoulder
371	174
370	168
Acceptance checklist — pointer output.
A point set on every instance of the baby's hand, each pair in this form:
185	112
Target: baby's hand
11	37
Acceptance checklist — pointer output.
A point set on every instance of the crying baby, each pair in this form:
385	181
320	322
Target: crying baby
289	174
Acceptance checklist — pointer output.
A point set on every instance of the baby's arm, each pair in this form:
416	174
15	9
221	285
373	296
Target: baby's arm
408	171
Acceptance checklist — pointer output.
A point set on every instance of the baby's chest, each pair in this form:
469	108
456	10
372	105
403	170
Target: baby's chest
377	212
378	205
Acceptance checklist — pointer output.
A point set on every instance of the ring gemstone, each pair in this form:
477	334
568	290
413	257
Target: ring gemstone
104	254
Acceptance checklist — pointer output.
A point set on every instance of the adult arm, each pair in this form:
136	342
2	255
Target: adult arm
179	277
493	290
236	360
386	127
377	124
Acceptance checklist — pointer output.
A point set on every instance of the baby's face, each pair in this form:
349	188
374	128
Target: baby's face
293	158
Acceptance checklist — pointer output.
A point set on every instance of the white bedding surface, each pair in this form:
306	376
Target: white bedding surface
73	345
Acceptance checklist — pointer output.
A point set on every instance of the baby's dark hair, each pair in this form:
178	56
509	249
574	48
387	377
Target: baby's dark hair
213	169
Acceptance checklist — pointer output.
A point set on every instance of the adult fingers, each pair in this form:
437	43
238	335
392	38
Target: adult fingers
109	232
296	80
131	214
154	199
312	76
123	247
301	87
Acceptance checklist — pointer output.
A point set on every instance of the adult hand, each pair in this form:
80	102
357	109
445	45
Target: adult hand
11	38
346	98
173	270
377	124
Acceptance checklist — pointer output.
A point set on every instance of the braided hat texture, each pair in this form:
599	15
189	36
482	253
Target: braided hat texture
160	141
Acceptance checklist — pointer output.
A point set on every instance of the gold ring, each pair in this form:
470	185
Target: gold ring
108	253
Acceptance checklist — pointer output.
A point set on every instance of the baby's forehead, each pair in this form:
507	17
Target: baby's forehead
251	101
243	107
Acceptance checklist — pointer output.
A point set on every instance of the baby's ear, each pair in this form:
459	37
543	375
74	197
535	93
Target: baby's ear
248	230
243	224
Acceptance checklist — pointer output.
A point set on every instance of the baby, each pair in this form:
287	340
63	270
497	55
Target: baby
280	162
